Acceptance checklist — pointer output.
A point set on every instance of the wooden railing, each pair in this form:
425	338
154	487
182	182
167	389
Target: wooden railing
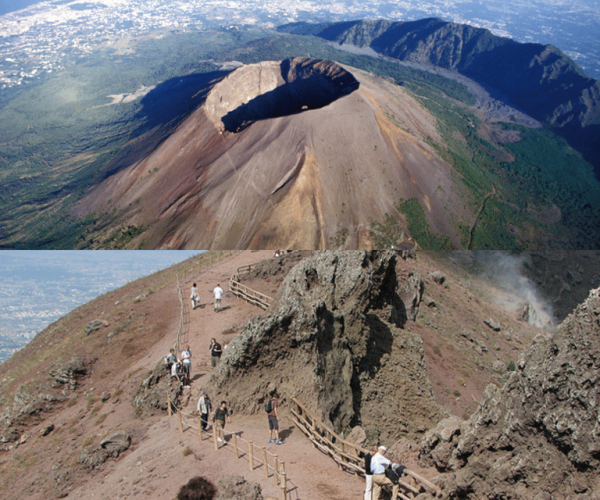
184	320
193	267
204	261
349	456
258	457
246	293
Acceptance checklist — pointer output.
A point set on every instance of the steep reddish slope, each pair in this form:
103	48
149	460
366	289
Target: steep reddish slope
336	160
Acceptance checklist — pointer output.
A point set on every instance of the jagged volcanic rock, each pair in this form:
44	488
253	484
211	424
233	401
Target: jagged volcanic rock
335	340
539	436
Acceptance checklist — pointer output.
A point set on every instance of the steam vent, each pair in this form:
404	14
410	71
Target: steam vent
272	89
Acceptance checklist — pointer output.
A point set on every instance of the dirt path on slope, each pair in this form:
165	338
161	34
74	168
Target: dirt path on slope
162	460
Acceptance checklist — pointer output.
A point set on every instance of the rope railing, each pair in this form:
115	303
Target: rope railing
246	293
257	456
348	455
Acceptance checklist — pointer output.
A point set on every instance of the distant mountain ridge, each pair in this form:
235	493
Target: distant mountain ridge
540	79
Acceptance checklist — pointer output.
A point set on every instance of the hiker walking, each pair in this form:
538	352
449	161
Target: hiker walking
379	463
271	407
204	407
219	418
215	352
195	297
218	294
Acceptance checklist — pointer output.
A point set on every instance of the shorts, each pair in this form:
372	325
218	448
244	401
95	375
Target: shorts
273	423
186	368
219	423
214	360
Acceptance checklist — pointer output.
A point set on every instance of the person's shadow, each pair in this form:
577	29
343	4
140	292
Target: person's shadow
285	433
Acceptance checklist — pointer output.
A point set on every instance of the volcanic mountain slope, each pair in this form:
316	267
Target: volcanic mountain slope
289	155
82	379
540	79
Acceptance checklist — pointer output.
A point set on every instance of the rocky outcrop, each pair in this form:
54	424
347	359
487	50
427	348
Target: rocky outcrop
539	436
237	488
95	325
117	443
151	396
92	458
112	446
411	292
68	374
32	401
335	340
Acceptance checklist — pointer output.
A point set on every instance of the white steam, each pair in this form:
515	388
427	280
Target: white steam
506	271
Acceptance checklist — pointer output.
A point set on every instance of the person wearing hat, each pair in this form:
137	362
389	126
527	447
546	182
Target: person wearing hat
378	465
204	407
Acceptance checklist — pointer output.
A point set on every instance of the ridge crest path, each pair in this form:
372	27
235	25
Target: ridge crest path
159	461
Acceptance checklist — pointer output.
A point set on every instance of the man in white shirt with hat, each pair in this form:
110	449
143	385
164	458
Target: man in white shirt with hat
378	465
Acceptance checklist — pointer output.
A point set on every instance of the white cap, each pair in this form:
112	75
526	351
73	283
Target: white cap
382	448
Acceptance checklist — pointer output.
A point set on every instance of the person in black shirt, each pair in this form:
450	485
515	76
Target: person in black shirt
215	352
221	415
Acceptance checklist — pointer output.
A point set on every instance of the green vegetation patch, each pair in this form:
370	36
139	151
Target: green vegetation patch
419	228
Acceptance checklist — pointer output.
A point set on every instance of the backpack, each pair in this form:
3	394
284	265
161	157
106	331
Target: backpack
394	474
269	406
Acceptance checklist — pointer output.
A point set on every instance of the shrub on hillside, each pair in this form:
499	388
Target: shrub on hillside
197	488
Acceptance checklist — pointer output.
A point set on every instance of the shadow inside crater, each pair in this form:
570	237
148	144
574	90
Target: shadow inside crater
311	92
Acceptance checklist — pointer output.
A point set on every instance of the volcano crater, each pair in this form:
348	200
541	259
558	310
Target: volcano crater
274	89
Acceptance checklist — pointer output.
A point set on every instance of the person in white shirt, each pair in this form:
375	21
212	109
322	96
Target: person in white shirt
204	407
218	293
186	357
176	371
195	297
378	465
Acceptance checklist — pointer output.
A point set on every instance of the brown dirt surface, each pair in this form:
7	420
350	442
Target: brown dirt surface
140	332
296	181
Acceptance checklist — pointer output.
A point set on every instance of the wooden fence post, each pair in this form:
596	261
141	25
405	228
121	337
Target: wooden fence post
169	405
200	428
251	451
264	455
180	423
276	471
214	429
283	486
237	451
